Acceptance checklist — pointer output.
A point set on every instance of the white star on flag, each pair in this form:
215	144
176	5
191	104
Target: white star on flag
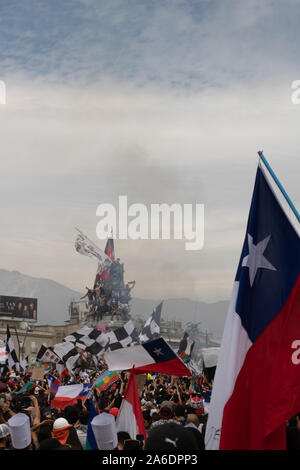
255	259
158	352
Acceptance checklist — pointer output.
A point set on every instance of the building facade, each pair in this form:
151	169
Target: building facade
29	337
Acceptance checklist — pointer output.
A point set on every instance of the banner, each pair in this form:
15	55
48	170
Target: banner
210	356
37	373
3	352
18	308
86	247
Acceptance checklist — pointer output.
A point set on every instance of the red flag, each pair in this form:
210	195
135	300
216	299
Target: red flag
64	373
110	252
130	418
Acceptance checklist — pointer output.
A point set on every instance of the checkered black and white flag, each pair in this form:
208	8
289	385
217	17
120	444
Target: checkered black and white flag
67	353
12	359
95	342
90	340
152	325
123	336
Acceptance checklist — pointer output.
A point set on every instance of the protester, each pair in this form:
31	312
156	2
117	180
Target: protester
29	422
147	421
122	437
50	444
170	436
293	433
132	445
81	426
61	429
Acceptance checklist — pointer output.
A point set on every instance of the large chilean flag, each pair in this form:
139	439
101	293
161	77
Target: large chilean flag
257	381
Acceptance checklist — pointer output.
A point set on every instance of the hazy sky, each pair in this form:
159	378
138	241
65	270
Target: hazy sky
162	101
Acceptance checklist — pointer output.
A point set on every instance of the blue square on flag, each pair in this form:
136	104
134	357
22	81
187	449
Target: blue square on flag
159	350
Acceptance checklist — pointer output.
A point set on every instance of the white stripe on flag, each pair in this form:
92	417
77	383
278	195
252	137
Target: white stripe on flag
126	420
234	347
69	391
125	358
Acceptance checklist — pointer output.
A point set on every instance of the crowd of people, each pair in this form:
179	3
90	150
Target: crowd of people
110	296
173	409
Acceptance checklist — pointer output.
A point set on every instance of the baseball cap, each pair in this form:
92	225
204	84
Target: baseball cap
60	423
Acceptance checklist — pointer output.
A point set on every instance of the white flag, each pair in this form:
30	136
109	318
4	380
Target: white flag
86	247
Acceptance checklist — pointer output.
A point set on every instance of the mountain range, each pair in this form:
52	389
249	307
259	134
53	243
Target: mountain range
54	299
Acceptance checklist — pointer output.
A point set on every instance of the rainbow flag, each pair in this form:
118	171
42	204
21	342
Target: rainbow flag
107	378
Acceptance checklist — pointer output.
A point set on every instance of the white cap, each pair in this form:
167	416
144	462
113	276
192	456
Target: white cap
105	431
19	426
60	423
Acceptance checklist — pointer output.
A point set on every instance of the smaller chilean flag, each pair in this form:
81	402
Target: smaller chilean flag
153	356
53	383
67	395
130	418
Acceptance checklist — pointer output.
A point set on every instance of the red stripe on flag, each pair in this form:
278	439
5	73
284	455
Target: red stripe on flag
62	402
173	367
267	389
130	416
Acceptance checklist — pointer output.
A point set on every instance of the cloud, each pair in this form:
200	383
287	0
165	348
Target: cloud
172	43
160	101
66	150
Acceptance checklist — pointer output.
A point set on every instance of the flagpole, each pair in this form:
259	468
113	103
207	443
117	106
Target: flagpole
263	158
18	343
